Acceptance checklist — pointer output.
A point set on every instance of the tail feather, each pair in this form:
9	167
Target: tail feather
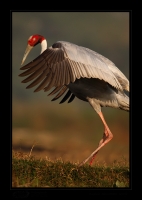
123	101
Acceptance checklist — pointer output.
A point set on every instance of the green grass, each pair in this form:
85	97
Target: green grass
28	171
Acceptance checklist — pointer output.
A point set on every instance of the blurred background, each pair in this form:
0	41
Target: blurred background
70	131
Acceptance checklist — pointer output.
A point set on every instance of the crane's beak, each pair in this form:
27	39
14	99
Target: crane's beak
28	49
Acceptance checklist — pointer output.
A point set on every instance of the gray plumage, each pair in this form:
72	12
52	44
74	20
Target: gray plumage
81	73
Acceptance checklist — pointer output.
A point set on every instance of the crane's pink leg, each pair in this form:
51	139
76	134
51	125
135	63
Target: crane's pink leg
107	136
101	141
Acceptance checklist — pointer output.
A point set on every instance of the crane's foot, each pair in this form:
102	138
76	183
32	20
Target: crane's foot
92	159
104	141
85	161
82	163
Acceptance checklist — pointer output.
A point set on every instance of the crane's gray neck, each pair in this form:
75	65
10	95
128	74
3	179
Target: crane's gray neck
43	46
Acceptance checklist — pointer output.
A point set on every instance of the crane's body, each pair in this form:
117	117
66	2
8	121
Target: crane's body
81	72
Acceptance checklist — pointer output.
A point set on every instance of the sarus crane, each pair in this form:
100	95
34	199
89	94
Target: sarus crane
81	73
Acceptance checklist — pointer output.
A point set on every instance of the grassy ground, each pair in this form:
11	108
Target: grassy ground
71	133
28	171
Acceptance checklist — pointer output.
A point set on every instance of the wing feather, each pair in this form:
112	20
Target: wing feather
56	89
33	63
57	75
40	78
66	97
67	62
34	75
65	73
48	56
43	83
33	69
51	83
64	88
69	70
71	98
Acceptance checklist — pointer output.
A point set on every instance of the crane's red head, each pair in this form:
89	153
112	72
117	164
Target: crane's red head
35	39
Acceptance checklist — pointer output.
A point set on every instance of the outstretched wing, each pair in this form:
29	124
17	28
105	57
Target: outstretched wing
62	64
